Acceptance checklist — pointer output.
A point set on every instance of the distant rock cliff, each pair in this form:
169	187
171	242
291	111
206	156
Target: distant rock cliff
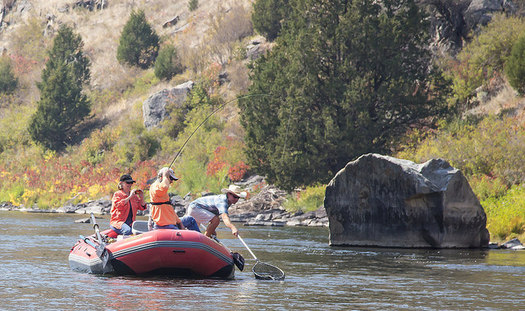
383	201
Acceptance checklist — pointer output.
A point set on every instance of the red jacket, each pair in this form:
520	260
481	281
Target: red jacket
120	208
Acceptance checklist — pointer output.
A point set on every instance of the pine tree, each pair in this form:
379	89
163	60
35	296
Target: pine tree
344	79
267	16
62	104
139	43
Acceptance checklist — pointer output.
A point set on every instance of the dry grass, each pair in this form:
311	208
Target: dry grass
506	101
101	29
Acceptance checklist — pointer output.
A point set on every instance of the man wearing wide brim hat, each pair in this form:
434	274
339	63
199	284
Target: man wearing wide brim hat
206	210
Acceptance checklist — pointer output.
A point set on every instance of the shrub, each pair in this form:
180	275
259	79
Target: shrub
139	43
483	59
29	40
487	187
8	81
493	146
168	63
515	66
506	214
309	199
193	5
136	144
98	145
14	123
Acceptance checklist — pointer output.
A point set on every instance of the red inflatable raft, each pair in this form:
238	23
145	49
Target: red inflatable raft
181	253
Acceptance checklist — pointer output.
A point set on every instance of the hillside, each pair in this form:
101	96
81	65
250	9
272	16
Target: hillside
100	31
114	139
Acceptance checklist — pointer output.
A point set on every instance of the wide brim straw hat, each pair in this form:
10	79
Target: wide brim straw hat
235	190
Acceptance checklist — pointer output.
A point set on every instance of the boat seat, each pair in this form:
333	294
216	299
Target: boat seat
139	227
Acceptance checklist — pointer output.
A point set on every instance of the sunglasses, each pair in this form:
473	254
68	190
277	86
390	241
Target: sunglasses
130	182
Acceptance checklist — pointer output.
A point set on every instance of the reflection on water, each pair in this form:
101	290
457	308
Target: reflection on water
35	274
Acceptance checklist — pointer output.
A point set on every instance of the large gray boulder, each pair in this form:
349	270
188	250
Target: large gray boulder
154	108
383	201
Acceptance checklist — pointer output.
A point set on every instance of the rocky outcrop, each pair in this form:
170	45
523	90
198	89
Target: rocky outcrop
383	201
154	108
452	21
266	209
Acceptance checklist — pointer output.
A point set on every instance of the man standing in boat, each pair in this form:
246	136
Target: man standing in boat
162	212
207	209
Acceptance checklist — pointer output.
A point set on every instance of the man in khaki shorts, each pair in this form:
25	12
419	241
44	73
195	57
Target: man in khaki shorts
208	209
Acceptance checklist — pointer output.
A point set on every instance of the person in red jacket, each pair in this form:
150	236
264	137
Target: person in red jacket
124	205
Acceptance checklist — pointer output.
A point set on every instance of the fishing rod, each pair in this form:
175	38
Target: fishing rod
206	119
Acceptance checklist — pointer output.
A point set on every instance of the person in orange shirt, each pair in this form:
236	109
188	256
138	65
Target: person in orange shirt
124	205
162	212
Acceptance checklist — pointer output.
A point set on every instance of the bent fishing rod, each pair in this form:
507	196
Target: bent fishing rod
206	119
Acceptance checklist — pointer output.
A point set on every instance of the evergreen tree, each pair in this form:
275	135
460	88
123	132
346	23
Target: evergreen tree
62	104
167	64
193	5
267	16
8	81
139	43
515	66
344	78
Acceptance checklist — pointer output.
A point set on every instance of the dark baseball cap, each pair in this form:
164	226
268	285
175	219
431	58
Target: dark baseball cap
126	178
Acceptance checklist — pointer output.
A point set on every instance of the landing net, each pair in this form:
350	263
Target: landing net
264	271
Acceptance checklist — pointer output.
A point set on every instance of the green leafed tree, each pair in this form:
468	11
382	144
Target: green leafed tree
344	79
515	66
268	15
62	104
139	43
8	80
168	63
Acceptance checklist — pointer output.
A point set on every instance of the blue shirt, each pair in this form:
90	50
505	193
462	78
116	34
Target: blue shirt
217	204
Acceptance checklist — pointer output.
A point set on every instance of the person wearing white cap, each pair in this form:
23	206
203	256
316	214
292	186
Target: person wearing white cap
207	209
162	212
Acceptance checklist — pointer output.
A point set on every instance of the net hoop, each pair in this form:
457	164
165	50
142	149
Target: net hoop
265	271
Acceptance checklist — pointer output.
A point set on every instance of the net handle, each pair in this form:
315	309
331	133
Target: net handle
245	245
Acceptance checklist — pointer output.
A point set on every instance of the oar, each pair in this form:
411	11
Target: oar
102	252
88	241
264	271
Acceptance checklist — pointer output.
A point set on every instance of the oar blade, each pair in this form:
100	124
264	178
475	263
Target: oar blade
103	254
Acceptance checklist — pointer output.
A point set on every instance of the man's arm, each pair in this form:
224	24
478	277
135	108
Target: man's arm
229	224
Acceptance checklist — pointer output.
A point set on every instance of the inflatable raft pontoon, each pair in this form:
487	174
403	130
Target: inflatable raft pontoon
180	253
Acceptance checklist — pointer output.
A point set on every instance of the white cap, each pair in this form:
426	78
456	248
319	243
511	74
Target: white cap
171	174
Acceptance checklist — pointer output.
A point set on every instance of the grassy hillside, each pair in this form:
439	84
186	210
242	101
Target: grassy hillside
209	40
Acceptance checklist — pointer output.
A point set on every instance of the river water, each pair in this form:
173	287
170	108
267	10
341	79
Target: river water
35	274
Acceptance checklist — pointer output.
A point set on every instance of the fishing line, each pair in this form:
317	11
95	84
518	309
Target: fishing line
206	119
